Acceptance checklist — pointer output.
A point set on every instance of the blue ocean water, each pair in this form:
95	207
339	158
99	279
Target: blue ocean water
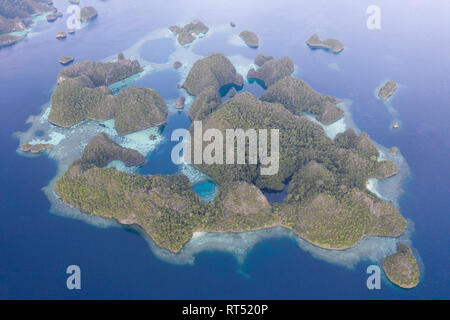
36	246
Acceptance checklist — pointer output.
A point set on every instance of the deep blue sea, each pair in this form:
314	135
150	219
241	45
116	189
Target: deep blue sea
412	47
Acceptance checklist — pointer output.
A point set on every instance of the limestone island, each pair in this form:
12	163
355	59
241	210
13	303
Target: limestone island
298	97
393	151
186	35
250	39
64	60
36	148
88	13
331	44
83	93
214	70
401	267
327	202
387	90
51	17
180	102
271	70
61	35
16	16
177	65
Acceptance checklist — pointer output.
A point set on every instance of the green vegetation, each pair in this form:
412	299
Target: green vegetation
101	73
204	103
15	16
326	203
186	35
82	94
387	90
133	109
166	207
330	44
250	38
138	108
101	150
340	222
21	8
214	70
401	267
298	97
271	70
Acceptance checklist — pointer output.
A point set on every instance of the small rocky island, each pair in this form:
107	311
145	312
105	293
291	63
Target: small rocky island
36	148
387	90
88	13
250	38
65	60
401	268
61	35
331	44
188	33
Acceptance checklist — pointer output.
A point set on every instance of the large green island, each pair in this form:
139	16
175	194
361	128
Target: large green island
327	202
